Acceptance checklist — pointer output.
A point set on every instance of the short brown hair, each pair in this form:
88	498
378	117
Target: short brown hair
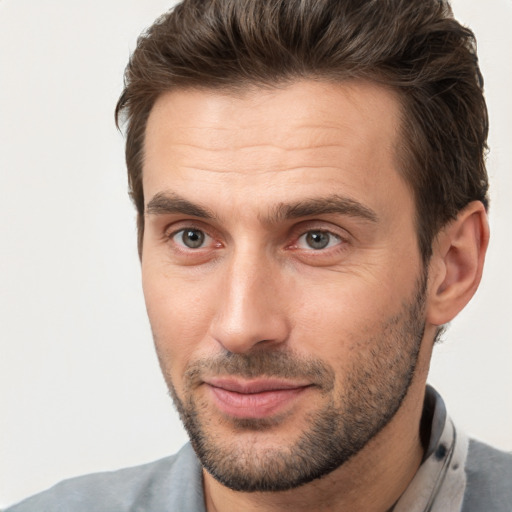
412	46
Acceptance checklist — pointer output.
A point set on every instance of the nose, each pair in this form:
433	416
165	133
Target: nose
251	308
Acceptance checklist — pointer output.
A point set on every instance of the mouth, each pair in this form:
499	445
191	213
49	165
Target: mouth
260	398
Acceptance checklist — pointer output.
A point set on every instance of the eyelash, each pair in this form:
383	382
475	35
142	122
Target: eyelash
171	237
298	234
205	237
322	232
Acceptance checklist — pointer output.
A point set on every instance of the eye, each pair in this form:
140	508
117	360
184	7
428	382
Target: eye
191	238
318	240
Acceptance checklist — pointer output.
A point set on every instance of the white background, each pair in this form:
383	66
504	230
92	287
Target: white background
80	389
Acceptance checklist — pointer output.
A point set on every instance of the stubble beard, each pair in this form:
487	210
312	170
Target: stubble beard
372	392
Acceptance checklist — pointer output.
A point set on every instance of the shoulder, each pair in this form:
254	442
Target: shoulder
155	486
489	479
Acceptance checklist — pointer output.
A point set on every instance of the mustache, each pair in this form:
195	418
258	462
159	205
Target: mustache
262	363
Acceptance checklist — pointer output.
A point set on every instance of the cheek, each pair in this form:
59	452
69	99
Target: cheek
179	318
341	319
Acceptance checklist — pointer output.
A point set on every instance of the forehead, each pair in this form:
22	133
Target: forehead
289	142
288	114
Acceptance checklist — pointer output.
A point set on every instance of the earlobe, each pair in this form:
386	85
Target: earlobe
457	263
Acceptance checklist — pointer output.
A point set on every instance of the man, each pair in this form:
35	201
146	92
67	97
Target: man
311	193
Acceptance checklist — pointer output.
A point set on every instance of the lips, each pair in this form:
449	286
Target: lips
259	398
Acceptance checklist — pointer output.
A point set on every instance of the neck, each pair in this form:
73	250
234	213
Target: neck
373	480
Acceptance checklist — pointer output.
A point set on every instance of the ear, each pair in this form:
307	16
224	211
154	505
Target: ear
457	263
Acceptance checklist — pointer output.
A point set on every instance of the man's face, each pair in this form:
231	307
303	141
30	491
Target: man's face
281	273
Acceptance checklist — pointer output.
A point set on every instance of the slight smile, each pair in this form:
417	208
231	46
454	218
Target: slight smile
255	398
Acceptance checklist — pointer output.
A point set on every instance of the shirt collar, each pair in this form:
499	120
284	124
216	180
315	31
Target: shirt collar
439	483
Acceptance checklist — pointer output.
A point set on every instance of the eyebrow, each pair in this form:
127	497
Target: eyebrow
164	203
323	205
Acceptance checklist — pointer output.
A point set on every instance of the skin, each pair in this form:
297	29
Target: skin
223	165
